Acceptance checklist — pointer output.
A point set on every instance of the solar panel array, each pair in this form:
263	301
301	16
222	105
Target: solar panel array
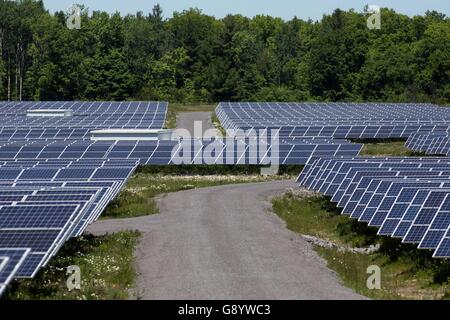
54	181
44	204
337	120
406	198
86	115
189	151
436	143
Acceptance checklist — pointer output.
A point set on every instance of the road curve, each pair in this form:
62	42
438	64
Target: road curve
224	243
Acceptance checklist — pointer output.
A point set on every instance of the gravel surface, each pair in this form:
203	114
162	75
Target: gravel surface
186	121
224	243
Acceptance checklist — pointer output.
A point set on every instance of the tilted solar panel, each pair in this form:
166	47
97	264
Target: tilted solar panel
11	260
405	197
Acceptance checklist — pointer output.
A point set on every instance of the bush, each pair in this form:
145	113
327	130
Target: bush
204	170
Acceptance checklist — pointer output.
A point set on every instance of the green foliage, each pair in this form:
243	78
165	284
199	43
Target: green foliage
203	170
280	94
193	57
108	77
166	76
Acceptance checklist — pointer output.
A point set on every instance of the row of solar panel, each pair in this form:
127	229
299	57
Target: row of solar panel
81	122
45	201
62	174
344	121
239	115
11	259
407	198
345	110
7	134
90	115
118	108
437	143
346	131
215	151
107	187
39	214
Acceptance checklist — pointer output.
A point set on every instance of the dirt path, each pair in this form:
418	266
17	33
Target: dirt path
186	121
224	243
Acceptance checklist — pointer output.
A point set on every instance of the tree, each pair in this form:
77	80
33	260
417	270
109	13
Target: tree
166	76
243	77
432	53
145	40
198	58
337	53
108	77
2	79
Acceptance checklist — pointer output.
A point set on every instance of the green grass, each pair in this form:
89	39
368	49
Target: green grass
106	265
218	125
401	278
407	273
316	216
175	108
138	198
387	148
395	148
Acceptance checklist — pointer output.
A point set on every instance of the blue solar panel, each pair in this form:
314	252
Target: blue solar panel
10	262
443	249
23	215
339	120
406	197
86	115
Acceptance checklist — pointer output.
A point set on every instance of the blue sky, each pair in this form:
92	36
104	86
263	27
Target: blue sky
286	9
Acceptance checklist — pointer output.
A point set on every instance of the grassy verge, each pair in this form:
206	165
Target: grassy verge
106	265
137	199
407	273
174	109
386	148
218	125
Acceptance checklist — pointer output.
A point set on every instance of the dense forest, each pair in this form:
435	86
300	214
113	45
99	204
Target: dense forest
193	57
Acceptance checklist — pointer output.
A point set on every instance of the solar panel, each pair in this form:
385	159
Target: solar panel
10	261
90	115
188	151
405	197
54	181
443	249
338	120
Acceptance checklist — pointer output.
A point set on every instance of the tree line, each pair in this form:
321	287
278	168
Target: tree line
193	57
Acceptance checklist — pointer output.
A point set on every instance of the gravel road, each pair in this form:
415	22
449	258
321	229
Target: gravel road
224	243
186	121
